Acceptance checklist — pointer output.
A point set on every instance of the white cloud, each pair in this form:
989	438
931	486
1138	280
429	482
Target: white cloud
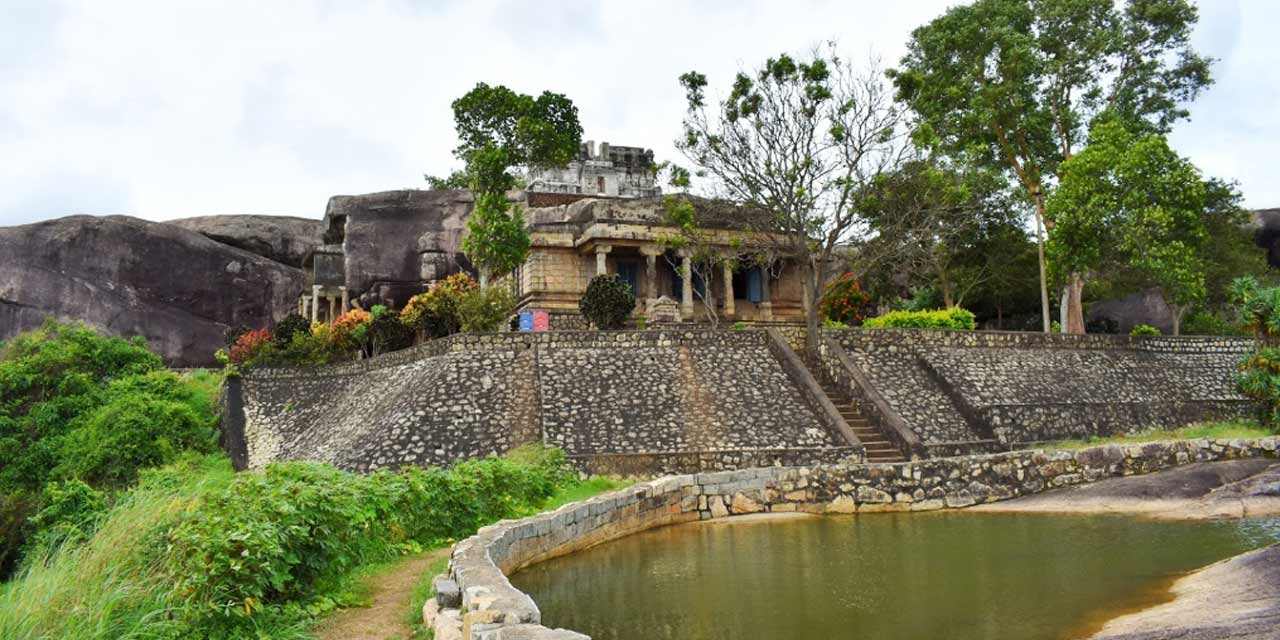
172	109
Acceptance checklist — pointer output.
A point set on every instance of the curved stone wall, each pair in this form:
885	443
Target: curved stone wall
479	602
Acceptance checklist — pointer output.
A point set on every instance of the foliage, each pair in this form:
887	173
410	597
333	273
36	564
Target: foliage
386	332
1259	306
435	312
1259	380
501	129
486	308
143	421
1144	330
844	301
1131	199
803	139
196	552
349	331
1015	84
455	180
70	514
250	345
1207	323
75	405
496	240
292	325
953	318
607	302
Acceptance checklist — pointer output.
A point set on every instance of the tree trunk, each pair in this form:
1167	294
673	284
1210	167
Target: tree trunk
1178	312
1044	276
813	324
484	278
1075	305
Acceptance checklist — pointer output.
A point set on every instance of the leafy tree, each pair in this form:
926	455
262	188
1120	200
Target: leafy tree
500	130
1130	198
1016	84
803	139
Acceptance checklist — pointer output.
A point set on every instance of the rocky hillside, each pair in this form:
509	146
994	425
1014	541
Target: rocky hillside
176	287
285	239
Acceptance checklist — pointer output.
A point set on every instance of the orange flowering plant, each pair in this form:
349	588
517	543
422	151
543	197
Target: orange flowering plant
844	300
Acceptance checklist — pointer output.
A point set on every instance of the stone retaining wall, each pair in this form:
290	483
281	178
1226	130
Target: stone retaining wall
478	597
969	391
642	402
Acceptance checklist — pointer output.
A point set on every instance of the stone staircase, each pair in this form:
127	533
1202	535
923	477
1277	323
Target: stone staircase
879	447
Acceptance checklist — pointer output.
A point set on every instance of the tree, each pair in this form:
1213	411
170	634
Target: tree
1129	198
802	139
938	213
500	130
1017	84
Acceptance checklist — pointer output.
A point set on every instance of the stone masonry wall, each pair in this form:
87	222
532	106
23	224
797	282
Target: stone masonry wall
965	390
616	402
479	601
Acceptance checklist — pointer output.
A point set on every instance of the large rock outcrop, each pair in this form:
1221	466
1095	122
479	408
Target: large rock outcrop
177	288
285	239
394	242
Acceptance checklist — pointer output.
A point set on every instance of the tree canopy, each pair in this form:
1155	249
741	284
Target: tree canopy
1017	84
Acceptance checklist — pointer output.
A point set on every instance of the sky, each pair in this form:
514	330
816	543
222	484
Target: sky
171	109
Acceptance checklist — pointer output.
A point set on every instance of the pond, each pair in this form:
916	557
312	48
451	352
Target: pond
924	575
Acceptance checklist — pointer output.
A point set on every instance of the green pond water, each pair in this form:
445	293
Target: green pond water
925	575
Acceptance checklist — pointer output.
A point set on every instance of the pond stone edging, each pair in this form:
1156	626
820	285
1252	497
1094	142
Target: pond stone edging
490	608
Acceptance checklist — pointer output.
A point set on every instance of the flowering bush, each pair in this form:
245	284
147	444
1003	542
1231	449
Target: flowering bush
435	313
249	345
349	330
844	300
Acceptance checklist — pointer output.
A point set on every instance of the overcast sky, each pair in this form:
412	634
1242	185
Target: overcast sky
167	109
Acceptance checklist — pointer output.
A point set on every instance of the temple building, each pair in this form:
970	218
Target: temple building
672	280
603	213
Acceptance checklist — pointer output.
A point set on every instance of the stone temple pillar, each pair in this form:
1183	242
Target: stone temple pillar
305	307
315	303
651	253
333	308
686	291
728	289
346	306
602	256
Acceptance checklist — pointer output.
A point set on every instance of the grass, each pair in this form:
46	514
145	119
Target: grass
573	492
1217	430
109	587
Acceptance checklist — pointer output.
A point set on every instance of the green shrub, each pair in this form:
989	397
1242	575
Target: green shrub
485	309
387	333
608	302
1144	330
292	325
1206	323
953	318
74	404
1259	380
144	421
70	515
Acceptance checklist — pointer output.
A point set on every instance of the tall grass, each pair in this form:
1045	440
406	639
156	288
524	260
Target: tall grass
112	586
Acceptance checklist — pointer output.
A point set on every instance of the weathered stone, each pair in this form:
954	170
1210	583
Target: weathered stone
285	239
843	504
743	504
447	592
129	277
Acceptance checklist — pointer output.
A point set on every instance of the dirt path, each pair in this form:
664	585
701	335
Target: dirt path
384	619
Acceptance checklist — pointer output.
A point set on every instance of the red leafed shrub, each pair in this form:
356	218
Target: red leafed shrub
844	300
248	345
